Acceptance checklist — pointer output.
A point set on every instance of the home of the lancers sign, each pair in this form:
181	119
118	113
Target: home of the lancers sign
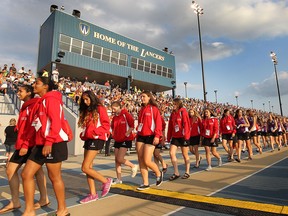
101	55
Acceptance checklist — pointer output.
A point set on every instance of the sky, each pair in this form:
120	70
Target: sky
237	38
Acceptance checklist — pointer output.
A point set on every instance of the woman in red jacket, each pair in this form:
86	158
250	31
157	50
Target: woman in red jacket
122	126
195	126
94	121
179	134
209	132
24	144
51	144
228	131
149	132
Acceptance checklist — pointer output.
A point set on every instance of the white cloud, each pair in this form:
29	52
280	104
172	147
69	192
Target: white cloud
182	67
268	87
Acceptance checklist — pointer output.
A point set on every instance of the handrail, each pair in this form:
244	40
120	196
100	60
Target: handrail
70	104
13	96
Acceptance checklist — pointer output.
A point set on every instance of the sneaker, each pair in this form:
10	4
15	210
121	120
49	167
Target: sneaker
208	168
159	179
220	162
143	187
116	181
89	198
106	187
134	171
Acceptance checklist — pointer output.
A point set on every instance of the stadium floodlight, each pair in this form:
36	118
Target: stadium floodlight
53	8
275	62
185	84
215	91
199	11
76	13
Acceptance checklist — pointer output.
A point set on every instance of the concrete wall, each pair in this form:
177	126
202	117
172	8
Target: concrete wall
75	146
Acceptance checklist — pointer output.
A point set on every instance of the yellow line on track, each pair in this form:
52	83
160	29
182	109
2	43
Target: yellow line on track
271	208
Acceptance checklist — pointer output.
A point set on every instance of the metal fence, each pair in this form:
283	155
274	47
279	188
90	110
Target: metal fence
7	108
70	104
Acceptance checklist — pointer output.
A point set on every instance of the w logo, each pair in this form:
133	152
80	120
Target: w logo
84	29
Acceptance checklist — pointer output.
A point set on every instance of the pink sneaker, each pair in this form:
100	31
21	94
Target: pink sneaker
89	198
106	187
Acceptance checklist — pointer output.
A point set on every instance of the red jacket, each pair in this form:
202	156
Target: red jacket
210	127
179	125
150	126
227	125
120	125
49	121
100	130
195	127
26	132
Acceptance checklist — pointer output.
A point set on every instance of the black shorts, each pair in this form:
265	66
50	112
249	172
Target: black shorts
16	158
146	139
94	144
243	136
207	142
194	140
59	153
280	133
9	148
227	136
125	144
263	133
159	146
180	142
253	133
272	134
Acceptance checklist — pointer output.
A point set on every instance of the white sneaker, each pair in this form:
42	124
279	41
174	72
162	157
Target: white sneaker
220	162
208	168
116	181
134	171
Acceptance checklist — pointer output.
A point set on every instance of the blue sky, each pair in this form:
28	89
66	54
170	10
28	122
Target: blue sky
237	37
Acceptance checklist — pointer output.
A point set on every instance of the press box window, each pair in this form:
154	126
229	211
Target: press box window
123	59
106	55
159	70
114	57
97	50
76	46
87	49
134	62
153	68
147	66
64	43
140	64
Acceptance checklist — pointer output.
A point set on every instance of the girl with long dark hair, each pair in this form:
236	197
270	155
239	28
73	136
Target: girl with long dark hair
51	145
94	121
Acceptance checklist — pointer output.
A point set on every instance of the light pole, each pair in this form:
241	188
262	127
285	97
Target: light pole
185	84
215	95
272	109
236	100
269	105
264	107
199	11
275	62
251	103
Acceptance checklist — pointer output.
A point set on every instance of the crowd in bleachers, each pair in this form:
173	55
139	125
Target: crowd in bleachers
191	123
110	91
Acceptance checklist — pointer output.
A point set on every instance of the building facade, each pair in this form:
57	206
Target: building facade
81	50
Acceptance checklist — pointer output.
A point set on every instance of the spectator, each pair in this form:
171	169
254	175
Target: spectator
10	138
